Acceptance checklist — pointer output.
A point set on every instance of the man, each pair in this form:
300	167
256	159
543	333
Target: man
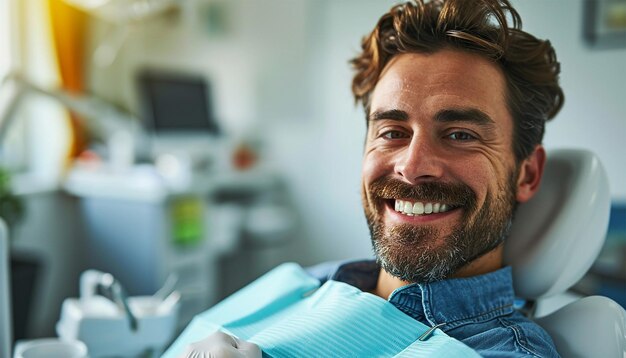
456	102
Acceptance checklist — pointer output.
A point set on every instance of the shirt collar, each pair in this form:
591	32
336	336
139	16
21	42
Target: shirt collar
452	301
362	274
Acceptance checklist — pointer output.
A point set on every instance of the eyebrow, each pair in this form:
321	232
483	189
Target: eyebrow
393	114
470	115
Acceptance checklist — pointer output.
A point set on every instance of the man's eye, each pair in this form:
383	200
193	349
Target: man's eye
461	136
394	135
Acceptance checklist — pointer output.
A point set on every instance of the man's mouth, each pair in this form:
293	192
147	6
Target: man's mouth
419	208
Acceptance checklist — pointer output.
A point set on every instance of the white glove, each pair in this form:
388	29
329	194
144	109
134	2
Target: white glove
222	345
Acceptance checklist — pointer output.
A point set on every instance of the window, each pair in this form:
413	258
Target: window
36	140
12	146
5	38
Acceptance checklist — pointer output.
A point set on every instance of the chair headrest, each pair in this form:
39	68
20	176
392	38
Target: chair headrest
557	235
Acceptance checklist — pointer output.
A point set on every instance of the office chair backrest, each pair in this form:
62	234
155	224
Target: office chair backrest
557	235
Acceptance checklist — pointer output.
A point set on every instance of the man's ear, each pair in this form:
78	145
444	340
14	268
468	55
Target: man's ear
530	173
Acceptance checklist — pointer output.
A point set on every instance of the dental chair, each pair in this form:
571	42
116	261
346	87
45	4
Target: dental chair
6	338
555	238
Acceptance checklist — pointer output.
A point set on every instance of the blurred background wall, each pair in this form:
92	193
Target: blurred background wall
280	79
292	86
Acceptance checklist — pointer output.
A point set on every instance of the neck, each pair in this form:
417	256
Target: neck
386	284
486	263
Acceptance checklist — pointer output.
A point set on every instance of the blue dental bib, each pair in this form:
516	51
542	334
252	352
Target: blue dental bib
288	314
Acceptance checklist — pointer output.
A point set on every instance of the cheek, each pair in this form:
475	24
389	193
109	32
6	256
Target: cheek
482	176
375	165
364	198
368	170
368	174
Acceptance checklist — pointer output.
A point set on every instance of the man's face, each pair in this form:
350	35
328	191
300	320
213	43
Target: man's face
439	174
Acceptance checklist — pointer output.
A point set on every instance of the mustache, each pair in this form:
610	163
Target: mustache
457	194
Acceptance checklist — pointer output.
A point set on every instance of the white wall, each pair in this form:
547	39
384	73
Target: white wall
250	63
594	81
323	153
5	58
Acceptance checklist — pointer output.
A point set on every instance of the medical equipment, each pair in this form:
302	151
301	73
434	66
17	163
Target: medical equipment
6	336
122	11
183	134
123	326
140	230
50	348
167	289
92	281
123	16
554	240
176	102
114	127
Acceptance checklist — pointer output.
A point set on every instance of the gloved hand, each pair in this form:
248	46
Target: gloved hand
222	345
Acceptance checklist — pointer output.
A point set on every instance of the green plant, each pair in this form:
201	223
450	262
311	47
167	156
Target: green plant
11	206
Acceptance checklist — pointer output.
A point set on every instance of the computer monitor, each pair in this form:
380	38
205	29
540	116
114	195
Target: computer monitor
176	103
177	114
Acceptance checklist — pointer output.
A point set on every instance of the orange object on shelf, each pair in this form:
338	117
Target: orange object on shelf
244	157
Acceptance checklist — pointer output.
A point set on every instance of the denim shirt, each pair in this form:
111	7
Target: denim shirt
476	310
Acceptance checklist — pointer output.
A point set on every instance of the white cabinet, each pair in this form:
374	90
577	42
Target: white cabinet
142	234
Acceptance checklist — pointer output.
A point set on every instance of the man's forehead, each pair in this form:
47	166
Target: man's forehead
446	78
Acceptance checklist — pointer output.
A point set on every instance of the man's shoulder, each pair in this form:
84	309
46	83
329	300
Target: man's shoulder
361	273
325	270
511	335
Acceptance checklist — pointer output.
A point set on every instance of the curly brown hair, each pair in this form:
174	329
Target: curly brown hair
489	28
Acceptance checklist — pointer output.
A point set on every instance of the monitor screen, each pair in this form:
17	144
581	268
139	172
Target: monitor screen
176	103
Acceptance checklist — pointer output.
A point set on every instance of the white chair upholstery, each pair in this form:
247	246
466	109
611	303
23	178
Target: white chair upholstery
590	327
554	240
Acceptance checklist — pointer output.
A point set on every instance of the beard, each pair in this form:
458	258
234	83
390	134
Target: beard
419	254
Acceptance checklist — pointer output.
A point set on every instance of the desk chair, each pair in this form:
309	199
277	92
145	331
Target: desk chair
554	240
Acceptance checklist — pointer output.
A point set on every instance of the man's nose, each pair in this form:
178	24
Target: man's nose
421	161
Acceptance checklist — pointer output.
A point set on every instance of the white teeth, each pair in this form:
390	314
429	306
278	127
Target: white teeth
419	208
408	208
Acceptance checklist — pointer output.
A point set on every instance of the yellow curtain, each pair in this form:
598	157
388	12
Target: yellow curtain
69	27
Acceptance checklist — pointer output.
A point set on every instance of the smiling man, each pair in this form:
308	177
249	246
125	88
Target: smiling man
456	97
440	186
440	180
